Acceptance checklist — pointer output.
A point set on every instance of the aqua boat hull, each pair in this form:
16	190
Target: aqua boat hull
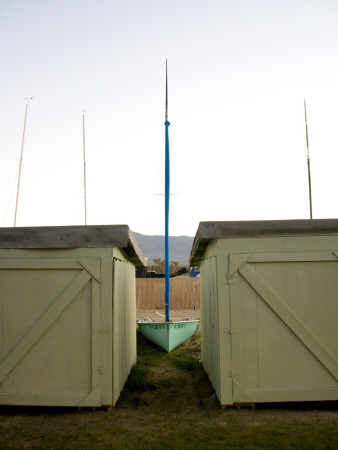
168	335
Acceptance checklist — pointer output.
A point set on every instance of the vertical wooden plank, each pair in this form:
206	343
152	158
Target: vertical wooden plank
118	324
224	326
235	333
106	326
131	317
210	345
1	313
96	331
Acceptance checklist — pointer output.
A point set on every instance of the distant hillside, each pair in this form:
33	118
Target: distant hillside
153	247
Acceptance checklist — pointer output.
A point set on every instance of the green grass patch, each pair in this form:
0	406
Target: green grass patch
187	356
149	354
132	430
138	379
184	360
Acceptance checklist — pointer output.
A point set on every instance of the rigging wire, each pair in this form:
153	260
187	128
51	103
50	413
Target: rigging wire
308	161
21	156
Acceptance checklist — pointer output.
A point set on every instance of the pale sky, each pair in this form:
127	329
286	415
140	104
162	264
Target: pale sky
238	75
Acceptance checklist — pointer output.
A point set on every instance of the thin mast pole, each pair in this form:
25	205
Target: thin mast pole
84	167
20	165
167	195
308	161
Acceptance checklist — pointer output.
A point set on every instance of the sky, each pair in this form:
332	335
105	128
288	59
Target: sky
238	74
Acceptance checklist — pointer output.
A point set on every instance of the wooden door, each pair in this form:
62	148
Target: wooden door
284	315
50	331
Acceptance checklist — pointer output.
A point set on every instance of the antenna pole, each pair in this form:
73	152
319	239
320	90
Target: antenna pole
84	167
308	161
20	165
167	195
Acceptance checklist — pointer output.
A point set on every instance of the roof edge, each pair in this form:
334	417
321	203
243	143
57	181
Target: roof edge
74	236
257	228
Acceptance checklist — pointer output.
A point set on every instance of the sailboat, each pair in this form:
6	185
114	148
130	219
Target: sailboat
167	334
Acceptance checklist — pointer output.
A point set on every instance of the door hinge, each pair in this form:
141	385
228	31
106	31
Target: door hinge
229	281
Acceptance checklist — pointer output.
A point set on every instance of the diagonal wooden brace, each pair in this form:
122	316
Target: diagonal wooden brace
42	325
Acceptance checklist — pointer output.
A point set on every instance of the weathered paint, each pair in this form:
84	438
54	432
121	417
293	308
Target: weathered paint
67	320
269	328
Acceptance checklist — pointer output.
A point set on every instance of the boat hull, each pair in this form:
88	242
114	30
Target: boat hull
168	335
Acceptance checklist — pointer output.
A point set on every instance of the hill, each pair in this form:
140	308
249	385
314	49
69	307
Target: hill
153	247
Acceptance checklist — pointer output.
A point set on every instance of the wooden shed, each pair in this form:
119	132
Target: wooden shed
67	314
269	309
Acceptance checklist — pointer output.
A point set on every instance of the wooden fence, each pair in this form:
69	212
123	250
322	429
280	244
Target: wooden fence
184	293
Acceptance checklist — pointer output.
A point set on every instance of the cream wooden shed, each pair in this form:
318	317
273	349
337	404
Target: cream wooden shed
67	314
269	309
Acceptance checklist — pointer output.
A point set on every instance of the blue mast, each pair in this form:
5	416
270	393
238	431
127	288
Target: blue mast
167	194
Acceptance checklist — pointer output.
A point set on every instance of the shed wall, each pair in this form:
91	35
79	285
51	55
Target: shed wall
124	319
209	315
277	301
56	339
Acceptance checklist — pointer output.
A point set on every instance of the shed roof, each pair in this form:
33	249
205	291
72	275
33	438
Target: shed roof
73	237
258	228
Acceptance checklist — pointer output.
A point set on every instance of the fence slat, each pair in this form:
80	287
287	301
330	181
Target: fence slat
184	292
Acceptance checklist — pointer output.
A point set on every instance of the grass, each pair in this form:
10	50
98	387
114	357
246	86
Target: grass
188	356
100	430
168	402
138	379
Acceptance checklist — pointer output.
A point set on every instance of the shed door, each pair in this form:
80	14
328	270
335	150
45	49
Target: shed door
49	340
284	315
